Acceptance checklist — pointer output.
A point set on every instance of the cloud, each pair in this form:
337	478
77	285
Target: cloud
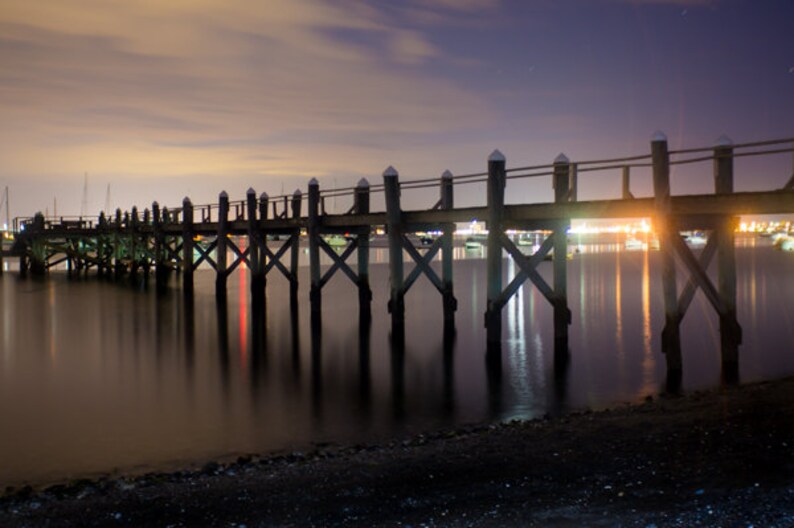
215	87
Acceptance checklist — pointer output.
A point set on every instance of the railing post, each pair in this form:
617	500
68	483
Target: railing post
627	183
573	192
496	200
671	336
361	201
297	199
448	296
730	331
395	232
313	232
187	246
222	245
254	253
562	315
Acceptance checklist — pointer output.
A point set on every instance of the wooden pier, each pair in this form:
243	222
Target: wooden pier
180	239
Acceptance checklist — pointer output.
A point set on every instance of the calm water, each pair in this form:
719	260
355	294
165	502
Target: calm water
97	378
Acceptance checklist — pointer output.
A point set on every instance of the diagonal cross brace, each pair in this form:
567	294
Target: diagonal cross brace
204	254
688	293
275	259
697	273
242	256
422	264
528	271
339	261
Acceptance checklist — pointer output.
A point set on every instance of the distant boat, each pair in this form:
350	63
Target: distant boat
784	243
634	244
696	239
473	243
335	240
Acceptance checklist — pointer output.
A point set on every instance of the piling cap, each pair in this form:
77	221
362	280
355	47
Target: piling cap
561	158
447	174
363	183
186	200
223	195
155	204
297	192
496	156
263	196
314	182
250	191
390	172
658	136
724	141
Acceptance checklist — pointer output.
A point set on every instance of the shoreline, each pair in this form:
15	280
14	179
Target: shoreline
719	454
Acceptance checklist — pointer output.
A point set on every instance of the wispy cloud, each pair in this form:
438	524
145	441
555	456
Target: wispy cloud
104	83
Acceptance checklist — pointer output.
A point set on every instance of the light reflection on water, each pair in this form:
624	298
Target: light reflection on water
97	377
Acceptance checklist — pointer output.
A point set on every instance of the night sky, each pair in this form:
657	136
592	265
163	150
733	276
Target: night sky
190	97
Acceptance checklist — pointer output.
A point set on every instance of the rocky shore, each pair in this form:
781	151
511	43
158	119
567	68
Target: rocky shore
717	458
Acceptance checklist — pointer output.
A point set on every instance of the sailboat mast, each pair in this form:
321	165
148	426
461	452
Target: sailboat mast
84	204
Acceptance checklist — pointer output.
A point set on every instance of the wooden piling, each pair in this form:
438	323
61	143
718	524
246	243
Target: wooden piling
146	254
132	230
222	245
313	232
118	264
562	317
187	246
254	254
496	197
260	270
666	226
361	206
450	304
394	230
730	331
158	242
297	199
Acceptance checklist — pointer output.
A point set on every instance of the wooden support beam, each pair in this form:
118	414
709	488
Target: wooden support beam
450	303
160	269
135	250
562	315
361	207
422	265
394	229
496	197
338	262
254	240
730	330
274	259
688	293
313	232
671	335
118	247
262	239
297	199
222	245
527	266
187	246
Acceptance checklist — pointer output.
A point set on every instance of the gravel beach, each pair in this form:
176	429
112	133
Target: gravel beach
717	458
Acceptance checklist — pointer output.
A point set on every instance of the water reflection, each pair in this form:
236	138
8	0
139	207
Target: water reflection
152	378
